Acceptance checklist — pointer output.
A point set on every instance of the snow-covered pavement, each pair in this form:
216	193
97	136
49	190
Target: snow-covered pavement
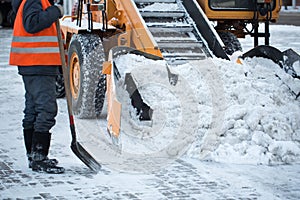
186	178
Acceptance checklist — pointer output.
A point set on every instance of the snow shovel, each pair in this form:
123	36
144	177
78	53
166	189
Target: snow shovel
77	149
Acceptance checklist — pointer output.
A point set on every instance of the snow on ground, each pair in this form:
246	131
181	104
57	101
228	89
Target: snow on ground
290	9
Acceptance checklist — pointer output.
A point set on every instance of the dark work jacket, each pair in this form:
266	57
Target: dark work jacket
35	20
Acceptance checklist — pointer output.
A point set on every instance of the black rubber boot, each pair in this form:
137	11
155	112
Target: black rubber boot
39	152
28	143
28	133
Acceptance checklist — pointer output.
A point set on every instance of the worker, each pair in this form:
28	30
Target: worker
35	50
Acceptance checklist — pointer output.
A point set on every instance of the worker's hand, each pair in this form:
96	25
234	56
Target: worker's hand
61	9
51	2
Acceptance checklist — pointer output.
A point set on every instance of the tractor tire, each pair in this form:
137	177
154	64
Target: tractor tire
100	95
231	42
86	56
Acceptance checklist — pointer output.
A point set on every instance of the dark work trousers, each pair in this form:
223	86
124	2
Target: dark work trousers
40	102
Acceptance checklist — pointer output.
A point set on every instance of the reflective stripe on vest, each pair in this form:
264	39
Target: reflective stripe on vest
35	39
35	50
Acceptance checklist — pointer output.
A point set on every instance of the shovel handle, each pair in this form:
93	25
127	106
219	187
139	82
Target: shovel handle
64	67
66	82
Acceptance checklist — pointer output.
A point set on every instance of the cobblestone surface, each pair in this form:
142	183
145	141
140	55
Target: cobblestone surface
184	179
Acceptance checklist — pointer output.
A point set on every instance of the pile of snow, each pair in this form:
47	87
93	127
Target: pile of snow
262	120
257	116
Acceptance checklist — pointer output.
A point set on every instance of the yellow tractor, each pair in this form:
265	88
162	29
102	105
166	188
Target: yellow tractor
238	18
176	31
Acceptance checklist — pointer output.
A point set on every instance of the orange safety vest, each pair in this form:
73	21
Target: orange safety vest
40	48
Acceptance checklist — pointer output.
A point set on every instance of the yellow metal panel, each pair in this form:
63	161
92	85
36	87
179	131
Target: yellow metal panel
106	69
234	14
114	118
137	34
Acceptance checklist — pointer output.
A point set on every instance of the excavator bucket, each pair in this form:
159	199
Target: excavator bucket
287	60
265	51
116	77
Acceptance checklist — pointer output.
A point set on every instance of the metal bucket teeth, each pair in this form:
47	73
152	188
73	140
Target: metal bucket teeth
142	109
